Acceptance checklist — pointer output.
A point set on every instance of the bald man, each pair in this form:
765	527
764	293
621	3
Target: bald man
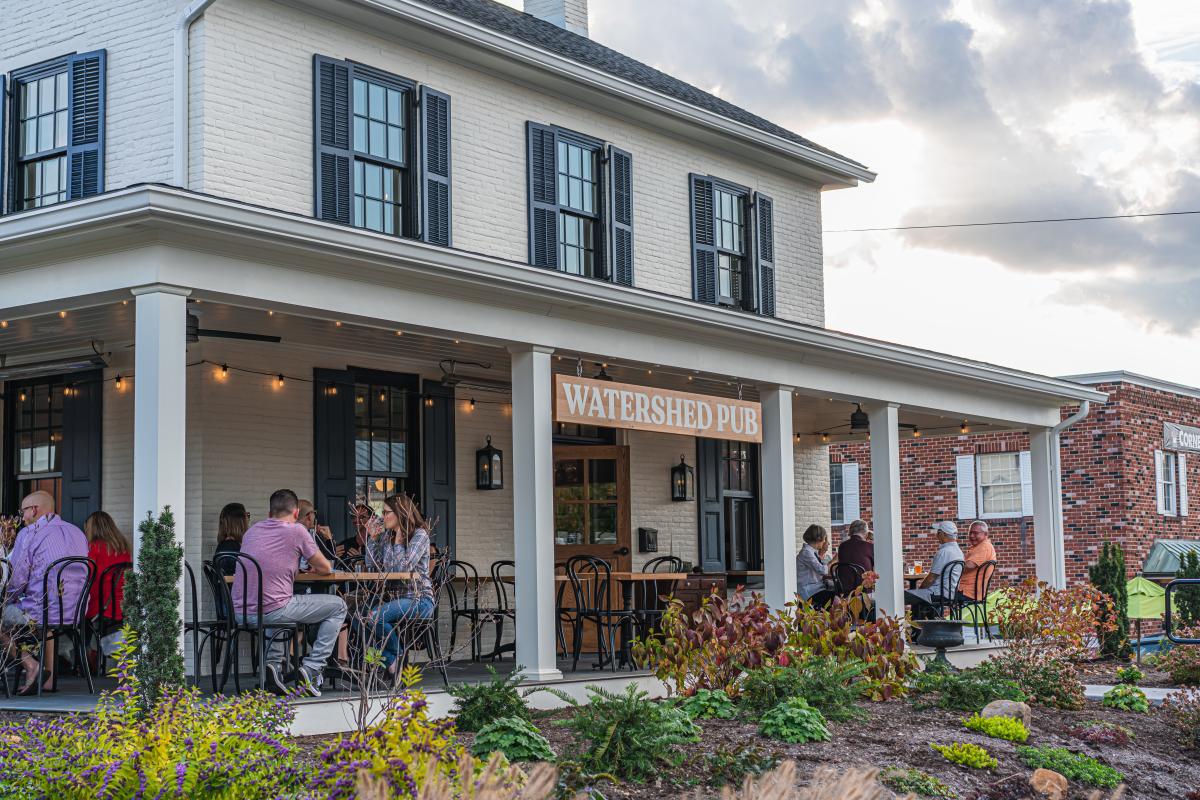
45	539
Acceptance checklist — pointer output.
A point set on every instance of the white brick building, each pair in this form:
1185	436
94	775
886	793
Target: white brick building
551	207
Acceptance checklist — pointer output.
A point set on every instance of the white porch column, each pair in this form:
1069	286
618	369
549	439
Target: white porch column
778	497
533	511
886	517
1047	507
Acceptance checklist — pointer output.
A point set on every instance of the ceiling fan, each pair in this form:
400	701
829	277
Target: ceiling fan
194	332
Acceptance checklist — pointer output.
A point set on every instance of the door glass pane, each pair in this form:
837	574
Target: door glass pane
602	479
362	450
603	523
568	480
568	523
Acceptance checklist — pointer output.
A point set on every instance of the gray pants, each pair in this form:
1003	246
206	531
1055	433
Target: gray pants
326	611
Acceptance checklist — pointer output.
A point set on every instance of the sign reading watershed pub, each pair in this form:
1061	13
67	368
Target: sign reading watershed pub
622	405
1181	437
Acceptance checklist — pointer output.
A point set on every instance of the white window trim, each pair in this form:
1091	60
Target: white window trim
1167	500
1023	479
850	499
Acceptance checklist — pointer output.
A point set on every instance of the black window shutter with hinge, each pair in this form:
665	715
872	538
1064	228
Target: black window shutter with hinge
620	215
542	149
333	448
704	246
710	505
334	157
435	166
85	138
437	441
82	430
764	251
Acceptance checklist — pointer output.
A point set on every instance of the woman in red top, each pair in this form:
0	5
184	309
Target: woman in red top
106	546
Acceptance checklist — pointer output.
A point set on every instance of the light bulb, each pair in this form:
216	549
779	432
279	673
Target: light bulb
3	323
62	315
224	370
117	381
472	403
965	428
279	380
916	432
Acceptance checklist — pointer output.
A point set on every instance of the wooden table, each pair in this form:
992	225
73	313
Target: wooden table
913	579
627	580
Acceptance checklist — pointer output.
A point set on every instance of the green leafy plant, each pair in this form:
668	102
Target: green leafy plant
1182	661
708	704
628	734
1130	675
968	690
477	704
1012	730
1184	708
1044	677
151	608
1039	619
1187	598
914	781
966	754
1108	576
730	766
766	687
1101	732
185	746
515	737
795	721
1126	698
825	684
1072	766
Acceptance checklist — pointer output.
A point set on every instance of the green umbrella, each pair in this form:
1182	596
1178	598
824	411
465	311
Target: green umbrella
1146	600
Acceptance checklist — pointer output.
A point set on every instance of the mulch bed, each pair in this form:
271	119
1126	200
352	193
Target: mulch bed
1105	672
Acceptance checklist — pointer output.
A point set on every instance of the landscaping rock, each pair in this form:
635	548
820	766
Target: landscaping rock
1049	784
1008	708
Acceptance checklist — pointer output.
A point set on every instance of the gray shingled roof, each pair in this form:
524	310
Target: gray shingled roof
548	36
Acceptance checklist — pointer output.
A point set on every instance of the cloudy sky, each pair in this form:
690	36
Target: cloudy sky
972	111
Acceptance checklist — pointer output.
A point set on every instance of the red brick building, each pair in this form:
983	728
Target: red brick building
1127	469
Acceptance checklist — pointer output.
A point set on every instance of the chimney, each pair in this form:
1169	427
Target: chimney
569	14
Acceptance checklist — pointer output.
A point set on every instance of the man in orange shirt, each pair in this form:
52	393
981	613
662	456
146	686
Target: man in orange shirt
979	551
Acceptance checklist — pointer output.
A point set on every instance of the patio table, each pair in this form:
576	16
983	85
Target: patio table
913	579
628	580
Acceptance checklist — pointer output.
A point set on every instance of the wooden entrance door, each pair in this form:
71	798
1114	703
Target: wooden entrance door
591	514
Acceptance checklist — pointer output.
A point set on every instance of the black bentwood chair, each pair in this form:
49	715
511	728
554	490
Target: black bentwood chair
983	587
111	586
945	600
503	574
63	616
655	595
205	631
464	602
590	579
241	621
847	576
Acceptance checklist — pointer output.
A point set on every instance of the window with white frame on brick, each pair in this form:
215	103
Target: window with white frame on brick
1170	482
843	493
994	485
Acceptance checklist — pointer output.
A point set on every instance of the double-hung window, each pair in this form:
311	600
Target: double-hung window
580	205
843	493
994	485
1170	482
382	152
56	137
733	246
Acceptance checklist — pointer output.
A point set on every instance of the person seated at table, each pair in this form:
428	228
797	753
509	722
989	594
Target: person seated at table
107	546
277	544
361	516
401	545
45	539
320	533
980	550
812	578
856	549
923	598
231	527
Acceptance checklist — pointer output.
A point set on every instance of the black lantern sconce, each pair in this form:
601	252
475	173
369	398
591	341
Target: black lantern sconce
683	482
489	467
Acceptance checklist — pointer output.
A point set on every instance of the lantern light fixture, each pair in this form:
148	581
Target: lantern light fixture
489	467
683	482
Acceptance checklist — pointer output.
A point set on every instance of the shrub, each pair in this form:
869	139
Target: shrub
1130	675
1037	618
515	737
1184	708
151	607
904	781
1108	576
1072	766
1187	598
1126	698
1099	732
966	754
627	735
833	688
969	690
1045	678
477	704
403	752
708	704
1182	661
183	747
1007	728
766	687
730	766
794	721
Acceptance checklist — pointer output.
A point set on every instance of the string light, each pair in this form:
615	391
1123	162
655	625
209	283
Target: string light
825	438
279	380
124	302
21	397
118	381
964	428
224	370
62	315
3	323
399	333
472	403
916	432
337	324
270	313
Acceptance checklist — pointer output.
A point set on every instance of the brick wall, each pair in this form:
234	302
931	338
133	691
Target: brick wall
1108	482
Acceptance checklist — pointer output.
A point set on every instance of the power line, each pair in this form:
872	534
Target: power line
1013	222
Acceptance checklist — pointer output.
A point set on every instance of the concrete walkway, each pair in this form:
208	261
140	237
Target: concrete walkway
1154	694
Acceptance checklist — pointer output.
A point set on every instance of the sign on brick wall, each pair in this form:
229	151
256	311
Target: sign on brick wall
1181	437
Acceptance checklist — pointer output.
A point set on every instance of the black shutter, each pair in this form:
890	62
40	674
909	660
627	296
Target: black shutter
334	157
542	149
764	251
3	130
82	430
333	448
435	166
437	439
704	245
710	502
85	135
620	217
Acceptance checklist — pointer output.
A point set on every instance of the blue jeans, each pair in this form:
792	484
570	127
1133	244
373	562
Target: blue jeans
386	618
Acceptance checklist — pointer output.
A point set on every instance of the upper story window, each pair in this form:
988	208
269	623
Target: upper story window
382	152
1170	481
56	139
580	205
733	246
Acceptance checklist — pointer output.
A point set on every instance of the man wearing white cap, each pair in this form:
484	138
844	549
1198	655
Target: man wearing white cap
948	561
